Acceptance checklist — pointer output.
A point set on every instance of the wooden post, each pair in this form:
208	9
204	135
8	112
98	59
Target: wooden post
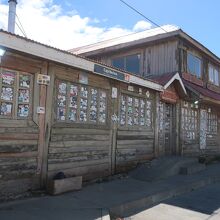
114	111
48	123
41	139
156	125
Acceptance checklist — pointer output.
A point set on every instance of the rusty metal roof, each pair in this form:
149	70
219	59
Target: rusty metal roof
201	90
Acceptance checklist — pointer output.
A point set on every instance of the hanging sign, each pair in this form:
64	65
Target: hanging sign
110	73
43	79
83	78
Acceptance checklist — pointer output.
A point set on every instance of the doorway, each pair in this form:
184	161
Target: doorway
167	133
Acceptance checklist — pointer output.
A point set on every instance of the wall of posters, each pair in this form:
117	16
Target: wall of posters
15	85
135	111
102	107
81	103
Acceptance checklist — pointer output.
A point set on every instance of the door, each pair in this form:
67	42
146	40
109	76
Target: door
203	128
166	129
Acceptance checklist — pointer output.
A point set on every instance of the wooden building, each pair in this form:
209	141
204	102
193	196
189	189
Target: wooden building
189	125
62	113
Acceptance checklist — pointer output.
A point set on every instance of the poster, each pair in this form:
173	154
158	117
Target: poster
61	100
83	110
73	90
84	92
7	93
102	107
136	111
24	81
62	88
6	109
130	111
23	110
23	95
142	112
93	106
61	112
8	78
123	111
72	114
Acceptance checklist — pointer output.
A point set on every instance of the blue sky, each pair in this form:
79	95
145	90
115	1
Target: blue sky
98	20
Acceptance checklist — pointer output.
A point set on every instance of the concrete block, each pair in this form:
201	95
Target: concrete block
56	187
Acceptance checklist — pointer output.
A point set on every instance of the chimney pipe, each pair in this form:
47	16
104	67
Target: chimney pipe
12	15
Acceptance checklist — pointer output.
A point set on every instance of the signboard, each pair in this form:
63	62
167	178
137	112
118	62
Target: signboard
43	79
83	78
109	72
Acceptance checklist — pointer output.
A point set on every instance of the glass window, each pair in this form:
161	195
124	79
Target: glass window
135	111
129	63
213	75
15	97
119	63
81	103
194	65
133	63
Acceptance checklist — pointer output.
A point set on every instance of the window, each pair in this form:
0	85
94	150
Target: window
194	65
81	103
135	111
212	125
129	63
189	122
15	99
213	75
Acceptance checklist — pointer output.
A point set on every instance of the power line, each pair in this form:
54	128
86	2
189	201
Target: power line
23	31
141	14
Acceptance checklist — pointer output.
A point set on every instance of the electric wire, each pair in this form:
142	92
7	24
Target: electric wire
21	26
20	29
141	14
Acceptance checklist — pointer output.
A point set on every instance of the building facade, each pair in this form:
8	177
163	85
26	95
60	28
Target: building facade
189	125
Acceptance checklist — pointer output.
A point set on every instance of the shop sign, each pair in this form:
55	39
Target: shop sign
43	79
109	72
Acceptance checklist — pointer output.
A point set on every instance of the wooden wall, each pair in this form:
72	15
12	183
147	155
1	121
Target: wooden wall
133	147
161	58
78	151
155	59
19	138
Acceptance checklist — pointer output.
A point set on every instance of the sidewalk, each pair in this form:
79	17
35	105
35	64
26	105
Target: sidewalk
123	197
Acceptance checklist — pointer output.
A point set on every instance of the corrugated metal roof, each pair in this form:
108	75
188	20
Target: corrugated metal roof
125	39
203	91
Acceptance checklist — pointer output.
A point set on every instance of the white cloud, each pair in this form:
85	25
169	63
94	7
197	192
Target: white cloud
142	25
46	22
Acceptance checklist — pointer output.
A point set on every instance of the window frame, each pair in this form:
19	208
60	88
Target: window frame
140	97
16	87
79	97
124	57
195	57
214	70
188	114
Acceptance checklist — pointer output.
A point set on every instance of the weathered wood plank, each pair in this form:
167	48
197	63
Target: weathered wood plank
18	148
20	130
135	142
63	166
76	149
65	130
68	137
100	169
78	144
18	136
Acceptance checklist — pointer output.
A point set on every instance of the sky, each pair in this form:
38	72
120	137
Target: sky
66	24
